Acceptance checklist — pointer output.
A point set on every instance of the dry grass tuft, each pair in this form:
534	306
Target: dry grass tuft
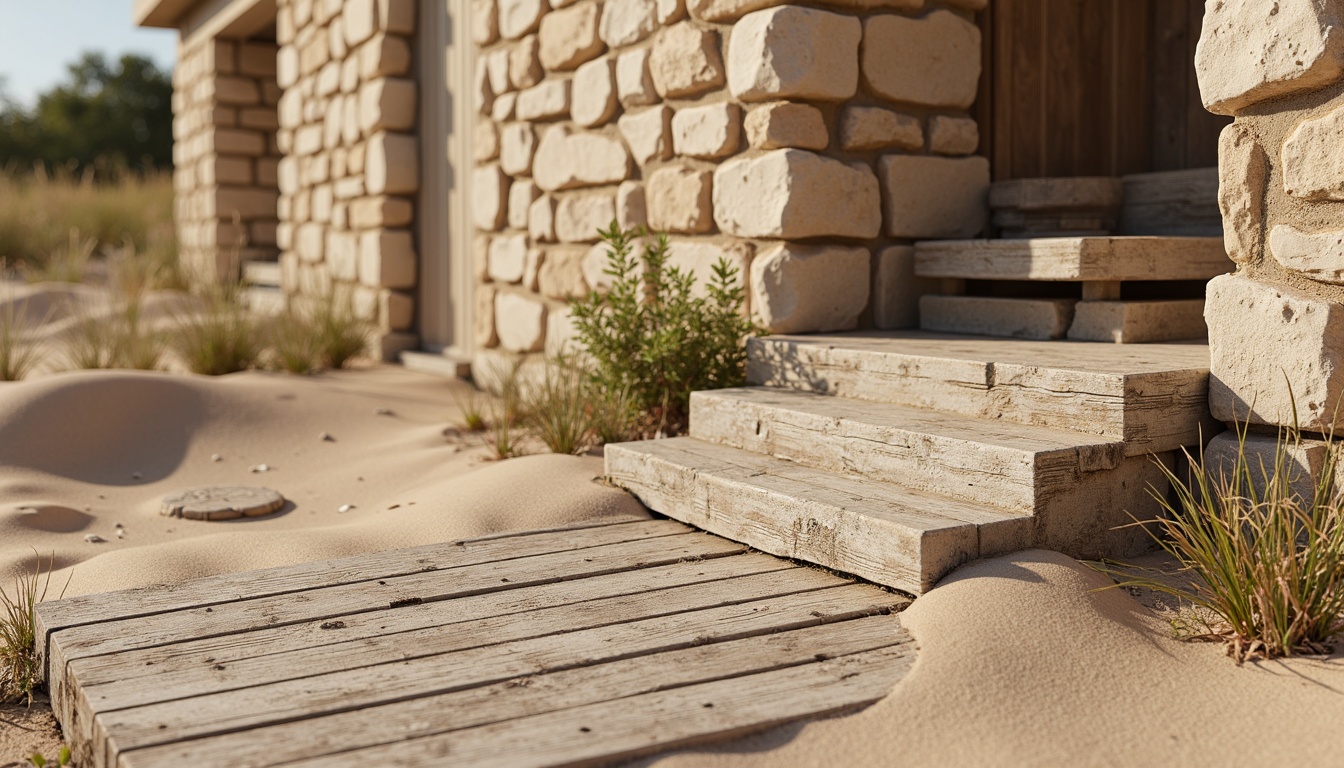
18	355
225	338
19	670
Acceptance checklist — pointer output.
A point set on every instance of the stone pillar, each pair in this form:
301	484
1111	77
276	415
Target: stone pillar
1276	326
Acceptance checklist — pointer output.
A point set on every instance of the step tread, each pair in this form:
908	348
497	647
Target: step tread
1074	258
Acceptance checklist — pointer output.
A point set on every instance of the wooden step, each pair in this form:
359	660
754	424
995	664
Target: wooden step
1074	258
1038	319
1153	398
1006	465
879	531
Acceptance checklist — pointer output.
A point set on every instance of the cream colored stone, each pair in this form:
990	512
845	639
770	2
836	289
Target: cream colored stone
525	63
1138	322
310	242
597	259
566	160
680	199
518	144
359	21
634	84
385	56
1243	170
625	22
561	274
932	61
648	133
1313	157
698	258
594	93
794	52
786	124
631	205
392	164
1317	255
343	255
485	141
489	193
896	289
1038	319
1264	339
865	128
497	66
387	259
519	17
371	212
1252	50
561	334
569	37
685	61
934	197
578	218
520	322
480	258
536	257
541	219
547	100
484	22
791	193
387	104
670	11
953	135
508	258
708	132
482	96
504	107
521	195
805	288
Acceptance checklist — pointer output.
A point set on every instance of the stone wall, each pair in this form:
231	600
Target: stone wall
1279	321
350	171
808	145
225	155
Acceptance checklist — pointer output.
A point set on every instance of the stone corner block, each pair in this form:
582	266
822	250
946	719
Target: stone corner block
934	197
809	288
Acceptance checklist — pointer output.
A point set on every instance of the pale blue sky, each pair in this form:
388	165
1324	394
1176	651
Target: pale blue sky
38	38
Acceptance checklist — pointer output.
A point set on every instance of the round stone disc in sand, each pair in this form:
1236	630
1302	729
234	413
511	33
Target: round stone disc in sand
222	502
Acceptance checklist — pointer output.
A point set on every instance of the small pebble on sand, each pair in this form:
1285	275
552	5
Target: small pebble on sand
216	457
326	438
94	538
346	507
136	475
382	411
260	468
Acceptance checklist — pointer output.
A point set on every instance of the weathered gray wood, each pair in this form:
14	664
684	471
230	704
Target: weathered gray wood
1139	322
1036	319
1154	398
547	692
880	531
216	590
359	687
652	722
1009	466
1075	258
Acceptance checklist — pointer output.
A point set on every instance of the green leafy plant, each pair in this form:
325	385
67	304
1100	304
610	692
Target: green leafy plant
652	336
62	758
19	664
1268	561
18	355
222	339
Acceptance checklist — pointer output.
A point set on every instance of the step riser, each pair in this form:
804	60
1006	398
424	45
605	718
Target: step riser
1001	477
1152	412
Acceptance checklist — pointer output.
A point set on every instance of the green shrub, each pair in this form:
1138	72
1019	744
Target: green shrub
1269	563
650	335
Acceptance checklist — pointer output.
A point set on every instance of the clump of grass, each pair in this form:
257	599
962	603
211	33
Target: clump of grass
295	344
343	335
66	264
507	416
327	334
120	340
1269	563
223	339
614	414
558	409
62	758
19	664
472	407
18	355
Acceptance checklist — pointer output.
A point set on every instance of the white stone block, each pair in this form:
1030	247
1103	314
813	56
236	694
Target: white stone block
794	52
566	160
508	258
932	61
791	193
520	322
489	193
634	84
1317	255
953	135
648	133
1243	173
784	124
519	17
544	101
808	288
594	93
518	144
569	37
525	63
680	199
541	219
625	22
934	197
685	61
1313	157
521	195
578	218
708	132
867	128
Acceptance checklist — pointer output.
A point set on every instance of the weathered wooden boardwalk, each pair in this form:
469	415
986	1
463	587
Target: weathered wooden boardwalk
578	646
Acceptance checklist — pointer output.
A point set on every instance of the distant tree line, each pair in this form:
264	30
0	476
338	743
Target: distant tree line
107	118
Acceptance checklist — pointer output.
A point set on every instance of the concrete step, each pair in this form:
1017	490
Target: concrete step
1152	398
1005	465
879	531
1074	258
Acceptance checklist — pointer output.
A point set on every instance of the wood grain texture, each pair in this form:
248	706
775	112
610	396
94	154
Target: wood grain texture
1074	258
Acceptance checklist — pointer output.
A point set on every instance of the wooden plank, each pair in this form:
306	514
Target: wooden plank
654	722
358	688
521	697
1038	319
1139	322
1063	92
1074	258
216	590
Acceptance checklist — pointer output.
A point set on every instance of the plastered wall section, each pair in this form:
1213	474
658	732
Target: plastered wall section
808	144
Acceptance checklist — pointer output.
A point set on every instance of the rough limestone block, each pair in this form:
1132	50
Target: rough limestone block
504	107
485	141
670	11
562	337
536	258
896	289
525	63
371	212
786	124
794	52
518	143
708	132
953	135
685	61
934	197
1306	460
791	193
865	128
699	258
634	84
544	101
392	164
569	37
520	322
933	61
1251	51
1264	338
387	104
541	219
508	258
731	10
1243	172
679	199
497	67
521	196
484	22
1040	319
1313	157
1138	322
806	288
578	218
519	17
625	22
648	133
1317	255
566	160
561	275
594	93
387	259
631	205
489	193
